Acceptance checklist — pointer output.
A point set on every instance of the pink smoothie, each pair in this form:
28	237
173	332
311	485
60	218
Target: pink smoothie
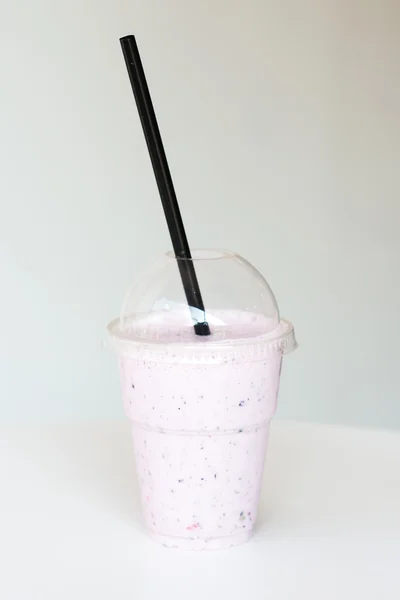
200	413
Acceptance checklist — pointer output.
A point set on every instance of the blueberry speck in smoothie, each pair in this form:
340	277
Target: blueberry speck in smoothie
133	387
241	403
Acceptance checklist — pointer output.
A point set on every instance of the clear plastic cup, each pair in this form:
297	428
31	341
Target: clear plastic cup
201	407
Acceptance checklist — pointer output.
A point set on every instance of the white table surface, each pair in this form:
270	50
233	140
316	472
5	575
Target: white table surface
329	524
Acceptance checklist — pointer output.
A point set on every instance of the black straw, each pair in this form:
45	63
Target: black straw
164	180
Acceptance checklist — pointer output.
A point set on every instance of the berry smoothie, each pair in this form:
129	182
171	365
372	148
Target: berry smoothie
200	412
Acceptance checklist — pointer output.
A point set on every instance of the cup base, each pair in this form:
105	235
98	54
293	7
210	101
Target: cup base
212	543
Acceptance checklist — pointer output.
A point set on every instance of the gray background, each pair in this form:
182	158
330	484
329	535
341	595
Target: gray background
280	119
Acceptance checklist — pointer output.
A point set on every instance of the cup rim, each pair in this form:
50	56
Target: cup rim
281	341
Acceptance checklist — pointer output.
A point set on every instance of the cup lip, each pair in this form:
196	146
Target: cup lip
203	254
280	341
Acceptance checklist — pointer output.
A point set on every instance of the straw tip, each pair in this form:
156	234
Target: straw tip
127	38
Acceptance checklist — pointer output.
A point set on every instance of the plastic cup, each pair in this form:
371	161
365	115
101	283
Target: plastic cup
201	407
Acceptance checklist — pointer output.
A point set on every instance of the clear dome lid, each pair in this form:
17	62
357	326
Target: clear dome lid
240	307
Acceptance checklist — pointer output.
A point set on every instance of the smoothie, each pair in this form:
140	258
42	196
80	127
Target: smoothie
200	413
